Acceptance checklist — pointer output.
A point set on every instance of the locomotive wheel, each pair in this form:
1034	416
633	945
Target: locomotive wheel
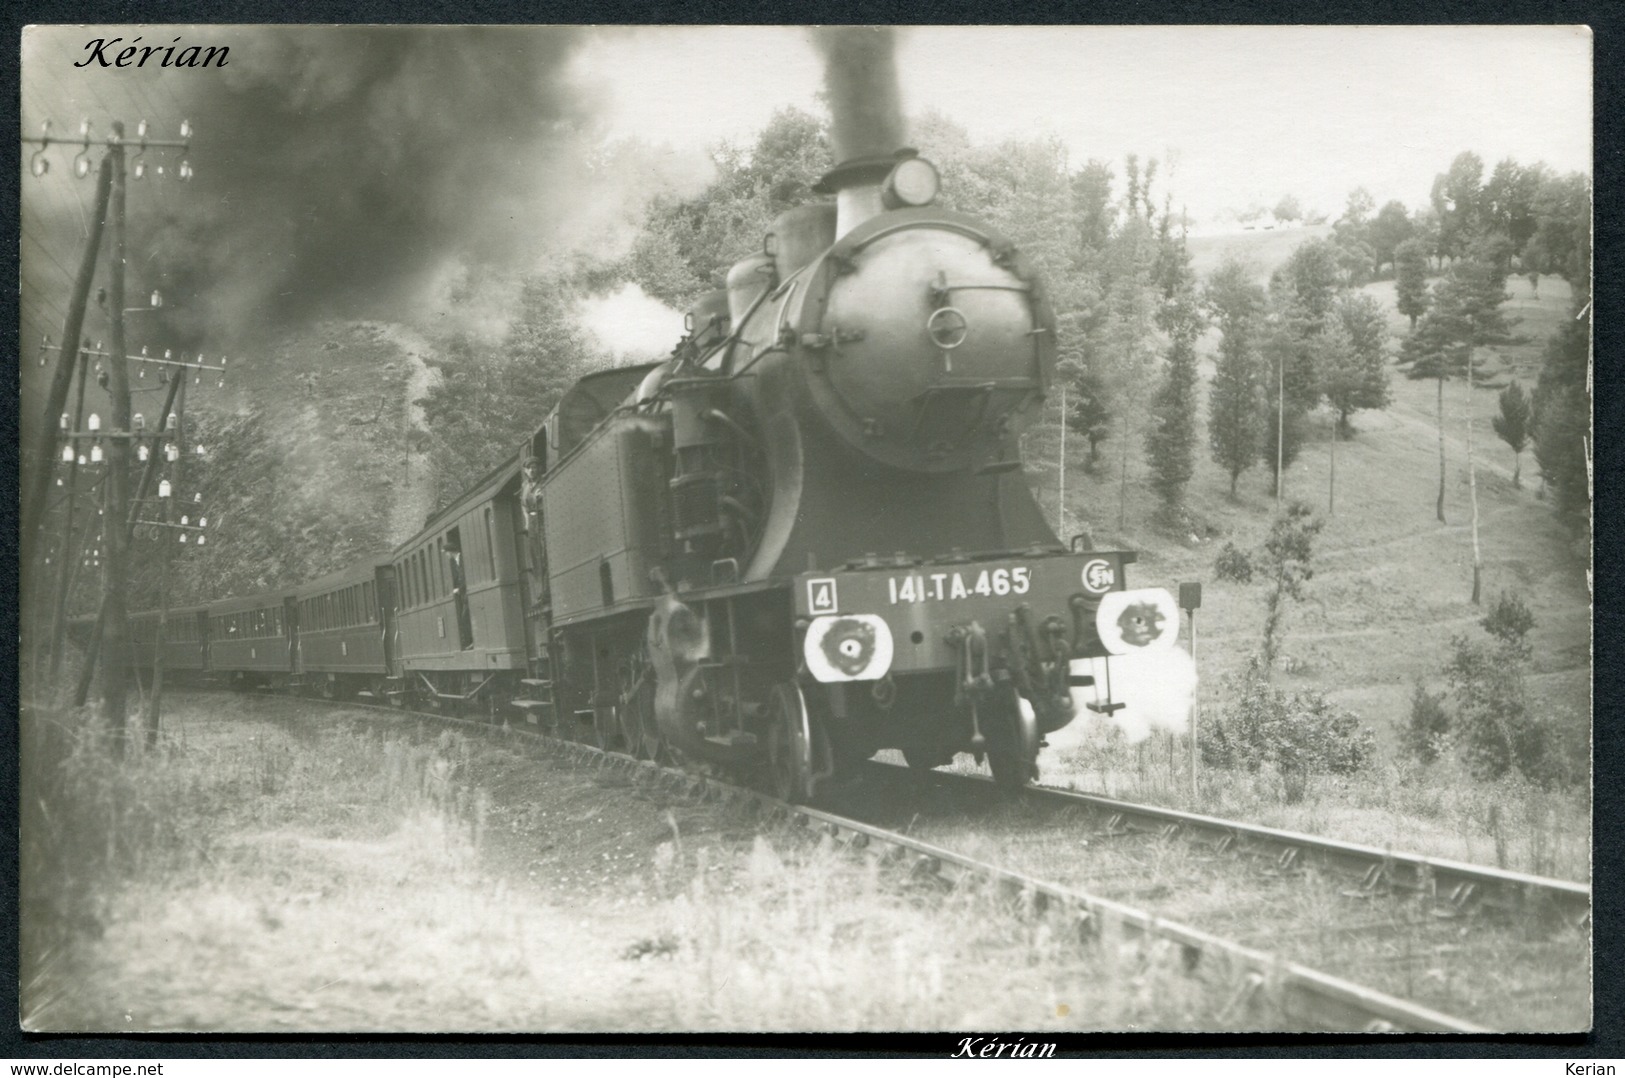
1012	748
789	745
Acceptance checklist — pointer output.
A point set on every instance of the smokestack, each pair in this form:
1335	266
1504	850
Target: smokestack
860	78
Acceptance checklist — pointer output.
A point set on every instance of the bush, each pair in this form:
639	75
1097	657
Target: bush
1429	727
1298	733
1509	621
1494	730
1233	564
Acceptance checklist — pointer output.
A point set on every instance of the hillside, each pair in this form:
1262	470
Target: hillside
1391	585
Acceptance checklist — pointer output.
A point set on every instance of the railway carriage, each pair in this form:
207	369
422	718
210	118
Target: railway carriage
252	640
185	639
342	636
458	634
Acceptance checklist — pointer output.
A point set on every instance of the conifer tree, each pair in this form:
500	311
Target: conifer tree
1171	441
1514	425
1357	377
1411	279
1235	397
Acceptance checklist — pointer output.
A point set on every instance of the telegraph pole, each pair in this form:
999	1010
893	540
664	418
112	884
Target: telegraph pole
109	210
1060	495
39	483
59	623
115	569
153	716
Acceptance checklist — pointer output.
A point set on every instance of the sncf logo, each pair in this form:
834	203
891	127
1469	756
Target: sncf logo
1098	576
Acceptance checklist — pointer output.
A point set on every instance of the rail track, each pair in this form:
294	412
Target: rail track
1253	976
1510	949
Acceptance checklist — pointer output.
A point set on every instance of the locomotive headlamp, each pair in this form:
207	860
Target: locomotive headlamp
913	182
854	647
1146	619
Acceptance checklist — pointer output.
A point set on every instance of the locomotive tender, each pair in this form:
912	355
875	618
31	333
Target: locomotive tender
803	538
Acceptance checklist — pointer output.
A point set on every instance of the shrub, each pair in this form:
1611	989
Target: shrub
1233	564
1509	621
1299	733
1425	734
1494	730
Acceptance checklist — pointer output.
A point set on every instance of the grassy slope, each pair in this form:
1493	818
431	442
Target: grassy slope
1392	585
275	867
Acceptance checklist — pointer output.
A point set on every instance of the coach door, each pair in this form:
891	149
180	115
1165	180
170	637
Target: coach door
389	630
202	623
290	626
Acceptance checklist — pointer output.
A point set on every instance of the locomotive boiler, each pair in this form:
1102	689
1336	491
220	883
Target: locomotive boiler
807	536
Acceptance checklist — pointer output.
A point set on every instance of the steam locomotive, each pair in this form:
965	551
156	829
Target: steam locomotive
802	538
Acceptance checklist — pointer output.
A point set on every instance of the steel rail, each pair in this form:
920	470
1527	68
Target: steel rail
1448	882
1254	979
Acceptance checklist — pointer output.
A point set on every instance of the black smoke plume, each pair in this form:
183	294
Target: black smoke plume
338	169
860	78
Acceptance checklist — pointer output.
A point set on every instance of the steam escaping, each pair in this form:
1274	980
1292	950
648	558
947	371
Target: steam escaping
860	77
1157	686
631	324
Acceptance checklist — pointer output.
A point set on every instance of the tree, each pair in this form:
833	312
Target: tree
1457	198
1562	398
1288	209
1411	280
1509	200
1171	441
1465	315
1090	411
1391	227
1357	377
1561	242
728	219
1303	294
1235	397
1128	333
1314	277
489	398
1358	208
1514	424
1092	195
1285	564
1562	407
1352	237
1339	376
